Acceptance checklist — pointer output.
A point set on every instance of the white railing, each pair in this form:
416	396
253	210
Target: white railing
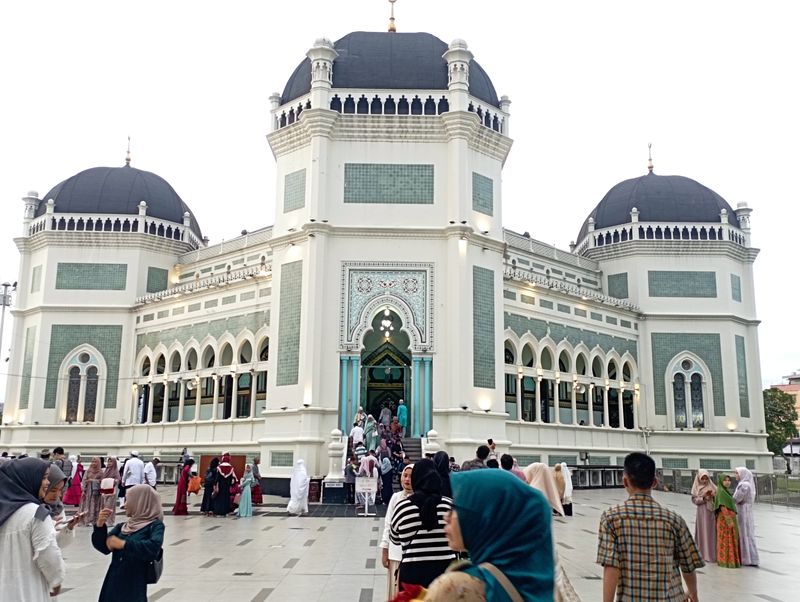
684	232
545	251
200	284
250	239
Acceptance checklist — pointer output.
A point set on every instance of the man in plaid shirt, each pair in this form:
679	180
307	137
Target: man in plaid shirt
644	547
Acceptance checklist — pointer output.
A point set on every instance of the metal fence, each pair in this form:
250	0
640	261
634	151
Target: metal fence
775	488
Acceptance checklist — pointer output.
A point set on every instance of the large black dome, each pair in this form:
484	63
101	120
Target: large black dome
118	190
390	61
659	199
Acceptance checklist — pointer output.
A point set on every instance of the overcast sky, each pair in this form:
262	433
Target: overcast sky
713	85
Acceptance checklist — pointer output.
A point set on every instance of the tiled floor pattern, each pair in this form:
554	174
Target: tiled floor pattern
326	556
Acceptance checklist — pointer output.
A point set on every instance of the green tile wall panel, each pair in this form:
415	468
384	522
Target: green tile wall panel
538	328
666	345
611	320
736	288
194	307
163	313
283	459
546	303
625	323
682	284
176	311
107	339
556	271
238	261
27	366
741	372
590	281
91	276
675	463
148	317
36	279
220	266
527	299
200	330
247	296
554	459
291	294
580	312
569	275
510	295
522	261
750	464
294	190
483	331
715	464
564	309
229	299
265	292
157	279
596	316
482	194
599	460
186	275
618	285
211	303
388	183
526	459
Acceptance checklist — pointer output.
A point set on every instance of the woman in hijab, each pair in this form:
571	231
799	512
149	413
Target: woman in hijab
367	468
181	507
387	472
133	545
539	477
109	489
90	492
705	527
744	495
225	479
561	484
65	530
72	497
258	495
506	528
728	554
209	479
245	508
392	554
418	527
31	566
566	502
298	489
442	462
370	433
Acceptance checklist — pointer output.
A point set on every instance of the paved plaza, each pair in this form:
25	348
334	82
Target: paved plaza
328	556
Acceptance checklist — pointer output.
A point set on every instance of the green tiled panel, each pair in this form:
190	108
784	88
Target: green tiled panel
618	285
27	366
625	323
148	317
675	463
682	284
65	337
538	328
200	330
564	309
283	459
527	299
554	459
194	307
750	464
596	316
91	276
666	345
580	312
176	311
229	299
599	460
247	296
211	303
220	266
715	464
589	281
741	371
163	313
546	303
265	292
483	331
736	288
186	275
509	295
525	459
556	271
482	194
291	295
36	279
611	320
294	190
157	279
388	183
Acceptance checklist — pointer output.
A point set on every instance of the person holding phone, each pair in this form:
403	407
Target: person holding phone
65	529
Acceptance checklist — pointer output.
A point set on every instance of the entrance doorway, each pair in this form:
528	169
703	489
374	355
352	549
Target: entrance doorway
385	365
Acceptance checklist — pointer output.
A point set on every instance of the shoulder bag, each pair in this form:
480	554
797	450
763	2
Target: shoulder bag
503	581
155	568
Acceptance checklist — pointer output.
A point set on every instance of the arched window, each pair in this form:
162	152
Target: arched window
90	401
696	392
80	385
679	399
688	375
73	394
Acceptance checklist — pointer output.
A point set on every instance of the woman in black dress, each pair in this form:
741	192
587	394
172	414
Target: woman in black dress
209	480
226	477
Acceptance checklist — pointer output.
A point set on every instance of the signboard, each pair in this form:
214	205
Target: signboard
366	485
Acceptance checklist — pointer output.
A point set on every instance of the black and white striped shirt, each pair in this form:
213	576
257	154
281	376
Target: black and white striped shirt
418	544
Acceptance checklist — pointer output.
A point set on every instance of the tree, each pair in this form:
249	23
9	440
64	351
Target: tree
780	415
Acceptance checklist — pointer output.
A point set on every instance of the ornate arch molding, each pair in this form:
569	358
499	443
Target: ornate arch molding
405	287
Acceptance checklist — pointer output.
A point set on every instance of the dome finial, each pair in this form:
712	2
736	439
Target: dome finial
649	158
392	28
128	154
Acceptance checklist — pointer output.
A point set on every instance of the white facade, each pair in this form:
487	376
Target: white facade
258	344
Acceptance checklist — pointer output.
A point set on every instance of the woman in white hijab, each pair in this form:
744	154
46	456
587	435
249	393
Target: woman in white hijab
298	490
566	503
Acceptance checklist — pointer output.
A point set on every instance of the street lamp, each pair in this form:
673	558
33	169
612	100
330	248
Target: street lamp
5	301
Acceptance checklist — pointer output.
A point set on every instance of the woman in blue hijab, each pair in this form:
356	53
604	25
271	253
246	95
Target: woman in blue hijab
505	525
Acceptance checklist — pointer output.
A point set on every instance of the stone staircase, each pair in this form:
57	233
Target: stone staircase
413	448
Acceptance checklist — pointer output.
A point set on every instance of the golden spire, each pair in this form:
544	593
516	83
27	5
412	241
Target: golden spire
128	155
649	158
392	28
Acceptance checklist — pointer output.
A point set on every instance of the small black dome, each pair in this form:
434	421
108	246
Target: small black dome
659	199
118	191
390	61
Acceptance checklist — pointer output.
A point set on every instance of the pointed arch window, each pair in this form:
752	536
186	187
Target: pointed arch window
73	394
81	385
688	377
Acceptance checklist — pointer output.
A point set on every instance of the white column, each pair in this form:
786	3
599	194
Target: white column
621	406
198	396
574	402
181	399
557	398
165	401
519	396
253	379
234	394
590	405
150	399
81	399
636	402
215	398
538	409
606	423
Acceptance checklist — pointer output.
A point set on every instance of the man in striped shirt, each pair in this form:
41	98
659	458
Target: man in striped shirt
418	527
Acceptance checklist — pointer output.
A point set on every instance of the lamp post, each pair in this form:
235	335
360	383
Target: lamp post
5	301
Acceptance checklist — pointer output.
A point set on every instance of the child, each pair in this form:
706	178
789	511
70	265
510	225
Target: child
728	555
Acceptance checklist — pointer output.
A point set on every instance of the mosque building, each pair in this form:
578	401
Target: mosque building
387	274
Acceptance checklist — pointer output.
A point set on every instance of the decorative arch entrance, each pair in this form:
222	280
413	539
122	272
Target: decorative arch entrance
385	365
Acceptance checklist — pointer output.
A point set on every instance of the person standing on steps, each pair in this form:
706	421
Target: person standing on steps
402	418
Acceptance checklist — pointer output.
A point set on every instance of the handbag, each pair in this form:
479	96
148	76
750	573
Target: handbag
107	486
155	568
95	487
237	498
503	581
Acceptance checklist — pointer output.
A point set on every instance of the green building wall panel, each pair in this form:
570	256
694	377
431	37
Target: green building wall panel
388	183
91	276
741	372
618	285
736	288
291	296
157	279
482	194
483	331
682	284
200	330
27	367
294	190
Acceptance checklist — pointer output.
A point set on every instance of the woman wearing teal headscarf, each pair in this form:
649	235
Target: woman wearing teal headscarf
505	525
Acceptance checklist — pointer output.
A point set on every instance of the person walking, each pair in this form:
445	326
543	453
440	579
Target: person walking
506	528
385	417
507	464
370	433
245	508
90	492
209	480
65	530
392	554
402	418
64	463
387	472
367	468
728	550
132	473
298	490
350	480
257	493
109	484
566	502
539	477
745	495
181	507
225	479
442	462
133	545
31	566
643	547
481	454
150	472
72	497
705	526
361	416
356	434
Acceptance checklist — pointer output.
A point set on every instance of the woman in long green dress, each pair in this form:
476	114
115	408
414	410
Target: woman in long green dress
728	555
371	432
245	499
